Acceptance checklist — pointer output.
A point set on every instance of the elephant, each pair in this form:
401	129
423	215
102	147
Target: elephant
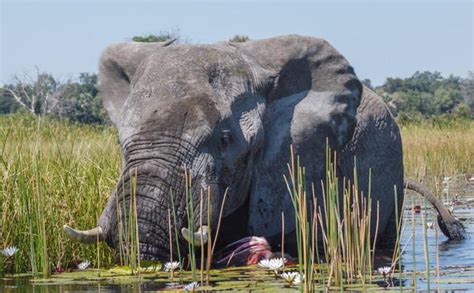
226	115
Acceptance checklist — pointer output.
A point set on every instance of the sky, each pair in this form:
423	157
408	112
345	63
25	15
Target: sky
379	38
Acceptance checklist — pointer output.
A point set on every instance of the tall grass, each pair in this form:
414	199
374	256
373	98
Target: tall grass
433	151
344	222
127	220
53	173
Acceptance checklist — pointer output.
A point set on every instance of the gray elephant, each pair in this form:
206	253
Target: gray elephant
229	112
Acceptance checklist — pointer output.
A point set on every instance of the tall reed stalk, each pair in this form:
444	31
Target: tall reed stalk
345	222
190	218
425	245
127	225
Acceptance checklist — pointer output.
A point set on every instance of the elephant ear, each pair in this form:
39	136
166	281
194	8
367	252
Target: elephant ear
314	99
118	66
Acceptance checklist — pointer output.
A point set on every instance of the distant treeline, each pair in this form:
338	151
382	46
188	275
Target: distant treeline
428	95
423	95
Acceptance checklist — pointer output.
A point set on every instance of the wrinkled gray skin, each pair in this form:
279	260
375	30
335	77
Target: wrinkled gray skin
229	112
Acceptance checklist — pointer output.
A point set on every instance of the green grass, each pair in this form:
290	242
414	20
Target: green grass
433	151
53	173
344	222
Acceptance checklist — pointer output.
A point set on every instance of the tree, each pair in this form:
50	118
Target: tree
162	36
445	99
467	90
7	102
425	92
368	83
81	102
239	39
38	95
151	38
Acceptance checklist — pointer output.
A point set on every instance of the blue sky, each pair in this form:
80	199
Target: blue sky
379	38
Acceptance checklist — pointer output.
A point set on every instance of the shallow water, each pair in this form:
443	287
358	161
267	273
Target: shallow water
455	261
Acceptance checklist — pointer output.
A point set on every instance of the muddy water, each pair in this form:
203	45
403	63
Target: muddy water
453	260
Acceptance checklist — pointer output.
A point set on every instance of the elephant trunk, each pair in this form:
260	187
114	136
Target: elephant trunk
449	225
158	186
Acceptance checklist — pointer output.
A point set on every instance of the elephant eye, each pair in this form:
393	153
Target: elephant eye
225	138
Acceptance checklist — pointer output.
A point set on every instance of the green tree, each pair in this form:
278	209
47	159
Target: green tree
467	90
152	38
368	83
81	102
7	102
425	92
445	99
239	39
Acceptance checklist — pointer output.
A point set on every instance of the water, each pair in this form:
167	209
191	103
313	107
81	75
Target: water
456	258
456	262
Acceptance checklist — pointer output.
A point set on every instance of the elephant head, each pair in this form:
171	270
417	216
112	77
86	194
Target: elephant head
227	112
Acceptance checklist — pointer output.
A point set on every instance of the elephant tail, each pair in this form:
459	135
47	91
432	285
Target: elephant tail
448	223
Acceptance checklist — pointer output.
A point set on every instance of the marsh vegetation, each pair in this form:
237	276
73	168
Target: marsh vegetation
56	172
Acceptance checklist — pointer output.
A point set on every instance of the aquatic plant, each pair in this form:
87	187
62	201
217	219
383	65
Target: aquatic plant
384	271
83	265
191	287
171	266
274	264
292	278
344	220
9	251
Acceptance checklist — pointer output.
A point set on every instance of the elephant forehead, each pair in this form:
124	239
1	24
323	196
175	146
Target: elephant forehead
188	117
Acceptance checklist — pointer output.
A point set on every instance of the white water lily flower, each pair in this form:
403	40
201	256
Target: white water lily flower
384	270
83	265
171	266
9	251
292	278
191	287
429	225
446	180
274	264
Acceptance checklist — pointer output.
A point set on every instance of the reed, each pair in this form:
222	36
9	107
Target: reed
425	245
344	220
413	223
52	173
178	250
190	218
433	151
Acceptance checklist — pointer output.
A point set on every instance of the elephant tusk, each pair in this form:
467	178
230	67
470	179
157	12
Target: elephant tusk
200	236
88	236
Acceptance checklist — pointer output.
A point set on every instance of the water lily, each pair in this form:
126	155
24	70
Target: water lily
191	287
274	264
385	271
429	225
9	251
171	266
83	265
292	278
